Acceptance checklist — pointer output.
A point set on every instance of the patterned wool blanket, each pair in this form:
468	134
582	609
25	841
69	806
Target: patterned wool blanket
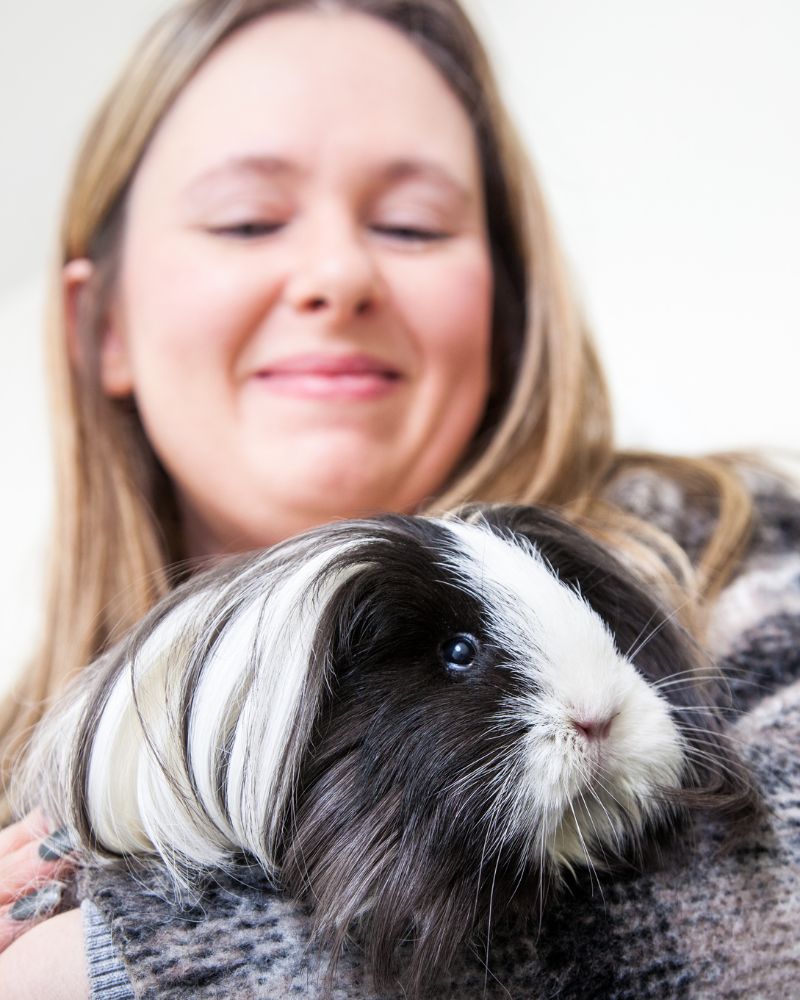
710	923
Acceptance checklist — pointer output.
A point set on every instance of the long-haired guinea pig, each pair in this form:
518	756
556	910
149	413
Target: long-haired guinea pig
409	722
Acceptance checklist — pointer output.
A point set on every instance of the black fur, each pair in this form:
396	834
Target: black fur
397	833
401	762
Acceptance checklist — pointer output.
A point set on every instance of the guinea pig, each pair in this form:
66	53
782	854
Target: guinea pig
410	723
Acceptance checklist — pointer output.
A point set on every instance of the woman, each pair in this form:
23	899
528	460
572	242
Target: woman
307	274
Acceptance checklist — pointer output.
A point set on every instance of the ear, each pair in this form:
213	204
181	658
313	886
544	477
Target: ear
116	375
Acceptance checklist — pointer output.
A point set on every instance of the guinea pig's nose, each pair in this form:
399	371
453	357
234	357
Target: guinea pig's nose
593	728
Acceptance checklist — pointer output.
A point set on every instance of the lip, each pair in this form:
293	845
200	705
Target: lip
330	376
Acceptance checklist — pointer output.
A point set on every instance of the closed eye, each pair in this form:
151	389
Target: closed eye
411	233
248	230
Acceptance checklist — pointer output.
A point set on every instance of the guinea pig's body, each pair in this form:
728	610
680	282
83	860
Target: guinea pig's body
408	722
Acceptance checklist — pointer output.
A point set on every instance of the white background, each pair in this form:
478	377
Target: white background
667	139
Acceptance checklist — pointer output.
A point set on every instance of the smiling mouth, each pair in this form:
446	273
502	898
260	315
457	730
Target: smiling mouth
328	377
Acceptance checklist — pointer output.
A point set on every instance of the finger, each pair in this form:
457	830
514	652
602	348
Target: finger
30	866
56	845
34	826
28	911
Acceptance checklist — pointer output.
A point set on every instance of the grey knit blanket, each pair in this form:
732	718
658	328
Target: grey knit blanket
710	923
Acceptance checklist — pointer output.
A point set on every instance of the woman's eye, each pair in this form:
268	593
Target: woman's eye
459	652
410	234
248	230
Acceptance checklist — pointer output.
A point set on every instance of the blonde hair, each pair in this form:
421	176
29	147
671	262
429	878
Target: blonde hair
547	433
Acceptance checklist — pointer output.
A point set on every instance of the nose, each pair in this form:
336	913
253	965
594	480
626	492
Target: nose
334	274
593	727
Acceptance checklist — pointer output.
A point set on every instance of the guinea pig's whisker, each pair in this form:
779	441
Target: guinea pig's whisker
723	680
689	675
732	677
633	648
710	710
689	683
479	957
716	766
702	756
474	774
636	650
597	779
666	620
600	845
701	731
716	763
489	918
490	830
788	745
705	731
611	824
589	863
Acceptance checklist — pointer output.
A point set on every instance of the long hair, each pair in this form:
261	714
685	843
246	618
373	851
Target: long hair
413	724
546	435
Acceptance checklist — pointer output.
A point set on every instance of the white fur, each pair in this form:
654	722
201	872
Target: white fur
248	695
567	795
587	792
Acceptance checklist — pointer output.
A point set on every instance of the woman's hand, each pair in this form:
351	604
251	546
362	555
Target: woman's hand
33	864
47	964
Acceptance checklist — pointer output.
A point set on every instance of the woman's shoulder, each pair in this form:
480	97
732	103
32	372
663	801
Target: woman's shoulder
686	505
754	624
753	619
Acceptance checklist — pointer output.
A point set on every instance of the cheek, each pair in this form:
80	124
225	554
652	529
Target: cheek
185	308
448	309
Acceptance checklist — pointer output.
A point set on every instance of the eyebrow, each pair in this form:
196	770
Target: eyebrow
259	166
401	170
277	166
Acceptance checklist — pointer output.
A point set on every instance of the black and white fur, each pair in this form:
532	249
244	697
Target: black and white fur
407	722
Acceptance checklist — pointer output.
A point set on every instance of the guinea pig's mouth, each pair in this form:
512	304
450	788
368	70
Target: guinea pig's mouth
606	804
592	825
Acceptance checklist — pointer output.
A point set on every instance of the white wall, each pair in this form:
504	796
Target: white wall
668	137
665	133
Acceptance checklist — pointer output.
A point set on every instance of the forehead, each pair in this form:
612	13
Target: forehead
309	84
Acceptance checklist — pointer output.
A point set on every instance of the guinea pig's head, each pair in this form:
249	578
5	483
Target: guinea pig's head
506	702
407	721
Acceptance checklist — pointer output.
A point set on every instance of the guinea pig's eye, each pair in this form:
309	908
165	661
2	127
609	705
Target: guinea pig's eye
459	652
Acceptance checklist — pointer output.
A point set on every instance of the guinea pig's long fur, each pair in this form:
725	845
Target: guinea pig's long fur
407	722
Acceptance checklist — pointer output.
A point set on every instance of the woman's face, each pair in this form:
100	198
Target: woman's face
304	303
